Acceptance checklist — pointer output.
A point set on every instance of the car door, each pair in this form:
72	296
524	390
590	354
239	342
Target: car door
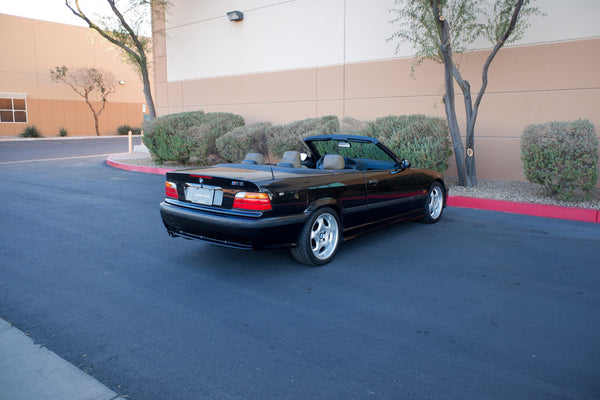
347	189
390	194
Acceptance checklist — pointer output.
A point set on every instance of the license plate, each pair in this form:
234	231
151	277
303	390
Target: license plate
203	195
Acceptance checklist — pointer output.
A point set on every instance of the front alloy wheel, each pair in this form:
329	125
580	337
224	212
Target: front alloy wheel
319	239
434	205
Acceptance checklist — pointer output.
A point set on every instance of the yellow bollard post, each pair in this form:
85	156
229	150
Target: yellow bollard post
130	143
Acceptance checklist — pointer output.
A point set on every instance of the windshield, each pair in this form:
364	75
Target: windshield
351	149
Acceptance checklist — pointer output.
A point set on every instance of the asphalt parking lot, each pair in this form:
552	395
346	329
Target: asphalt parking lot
481	305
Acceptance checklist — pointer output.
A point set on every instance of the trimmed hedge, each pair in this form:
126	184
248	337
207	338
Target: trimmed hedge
282	138
204	137
352	125
124	130
421	139
167	137
233	146
562	157
189	137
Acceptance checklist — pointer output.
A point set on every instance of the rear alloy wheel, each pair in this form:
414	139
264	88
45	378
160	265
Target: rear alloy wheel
434	205
319	239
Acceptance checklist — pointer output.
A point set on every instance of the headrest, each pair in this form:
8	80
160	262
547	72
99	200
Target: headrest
333	161
290	159
254	158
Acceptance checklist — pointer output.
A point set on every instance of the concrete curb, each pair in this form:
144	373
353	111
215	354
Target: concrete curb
514	207
137	168
30	371
537	210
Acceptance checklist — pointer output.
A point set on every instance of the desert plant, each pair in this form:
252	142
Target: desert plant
351	125
203	137
124	130
31	131
88	83
234	145
62	132
282	138
189	137
422	139
166	137
562	157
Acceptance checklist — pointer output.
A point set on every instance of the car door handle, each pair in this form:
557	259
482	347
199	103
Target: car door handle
373	182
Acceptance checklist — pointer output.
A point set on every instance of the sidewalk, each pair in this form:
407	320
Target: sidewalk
126	162
29	371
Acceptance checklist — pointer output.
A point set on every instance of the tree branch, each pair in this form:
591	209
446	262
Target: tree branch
497	47
92	25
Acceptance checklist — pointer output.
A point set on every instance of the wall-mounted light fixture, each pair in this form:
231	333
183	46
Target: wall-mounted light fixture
235	15
122	82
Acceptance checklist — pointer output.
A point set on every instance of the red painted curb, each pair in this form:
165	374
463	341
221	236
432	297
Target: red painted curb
137	168
537	210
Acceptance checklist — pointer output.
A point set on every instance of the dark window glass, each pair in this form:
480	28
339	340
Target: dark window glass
20	116
6	116
5	104
13	110
19	104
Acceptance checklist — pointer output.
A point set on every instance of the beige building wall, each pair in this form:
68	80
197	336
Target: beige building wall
550	75
30	48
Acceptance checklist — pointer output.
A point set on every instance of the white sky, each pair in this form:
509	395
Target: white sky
51	10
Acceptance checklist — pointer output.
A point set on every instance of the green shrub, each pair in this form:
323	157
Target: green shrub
31	132
189	137
561	156
124	130
204	137
421	139
234	145
167	137
62	132
351	125
282	138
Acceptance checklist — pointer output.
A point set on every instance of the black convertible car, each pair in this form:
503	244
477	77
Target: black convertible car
346	186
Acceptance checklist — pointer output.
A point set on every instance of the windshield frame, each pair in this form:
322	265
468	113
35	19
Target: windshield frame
311	142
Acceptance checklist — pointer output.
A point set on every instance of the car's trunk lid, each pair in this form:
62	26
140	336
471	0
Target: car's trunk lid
216	186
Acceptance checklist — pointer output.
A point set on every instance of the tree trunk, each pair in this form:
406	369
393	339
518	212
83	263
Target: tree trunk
96	125
470	159
449	97
148	93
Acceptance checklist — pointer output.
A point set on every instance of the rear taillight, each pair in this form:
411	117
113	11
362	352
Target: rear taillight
252	201
171	190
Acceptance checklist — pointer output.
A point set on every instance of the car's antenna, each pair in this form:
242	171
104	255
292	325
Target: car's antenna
270	165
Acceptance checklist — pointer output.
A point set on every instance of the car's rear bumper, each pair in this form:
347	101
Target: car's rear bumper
232	230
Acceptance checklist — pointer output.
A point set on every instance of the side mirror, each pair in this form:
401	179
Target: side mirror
303	156
405	164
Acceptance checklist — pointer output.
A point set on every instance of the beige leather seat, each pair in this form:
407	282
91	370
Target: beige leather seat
254	158
290	159
333	161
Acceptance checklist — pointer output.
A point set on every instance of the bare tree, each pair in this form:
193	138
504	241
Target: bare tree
439	29
129	30
88	83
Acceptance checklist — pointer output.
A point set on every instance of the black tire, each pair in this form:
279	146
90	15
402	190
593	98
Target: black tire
319	239
434	203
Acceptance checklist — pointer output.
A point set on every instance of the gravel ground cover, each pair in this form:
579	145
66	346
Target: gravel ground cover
486	188
517	191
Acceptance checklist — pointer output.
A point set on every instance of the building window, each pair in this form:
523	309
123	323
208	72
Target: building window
13	107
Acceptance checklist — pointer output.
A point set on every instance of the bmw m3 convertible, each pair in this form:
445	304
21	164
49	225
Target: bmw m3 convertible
343	187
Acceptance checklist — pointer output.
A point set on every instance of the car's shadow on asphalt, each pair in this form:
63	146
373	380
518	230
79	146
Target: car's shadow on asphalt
220	260
377	246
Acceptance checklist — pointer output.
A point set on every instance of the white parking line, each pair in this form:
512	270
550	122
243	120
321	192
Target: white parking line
53	159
